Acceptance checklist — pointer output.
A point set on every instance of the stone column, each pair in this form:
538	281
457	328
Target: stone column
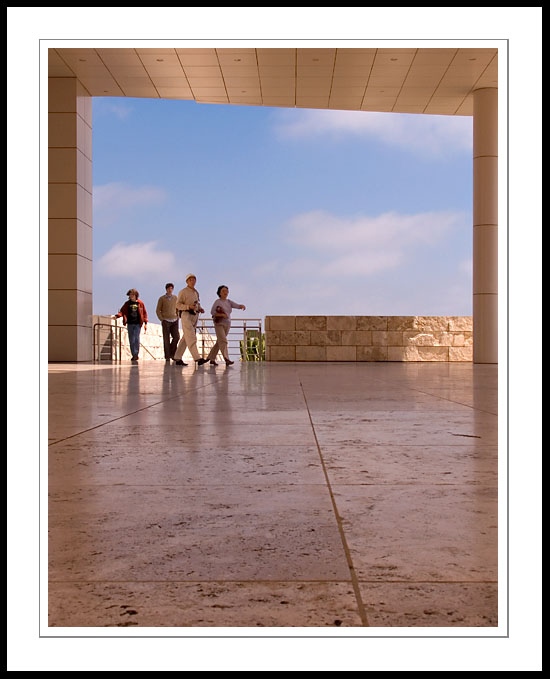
69	221
485	226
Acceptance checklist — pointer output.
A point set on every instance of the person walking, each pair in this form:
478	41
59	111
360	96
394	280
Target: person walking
168	317
188	303
134	317
221	315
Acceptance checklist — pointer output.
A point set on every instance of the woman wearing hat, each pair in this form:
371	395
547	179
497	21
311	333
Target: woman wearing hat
188	304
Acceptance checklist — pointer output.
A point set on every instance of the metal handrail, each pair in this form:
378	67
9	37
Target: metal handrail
245	340
240	334
114	340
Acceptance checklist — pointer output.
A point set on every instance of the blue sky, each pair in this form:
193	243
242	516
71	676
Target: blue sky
297	211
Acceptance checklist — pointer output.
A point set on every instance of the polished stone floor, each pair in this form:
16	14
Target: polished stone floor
278	495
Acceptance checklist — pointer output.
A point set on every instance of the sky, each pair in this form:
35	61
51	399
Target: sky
276	250
297	211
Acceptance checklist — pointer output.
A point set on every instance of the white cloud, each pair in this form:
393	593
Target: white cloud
128	260
111	106
424	134
366	237
117	195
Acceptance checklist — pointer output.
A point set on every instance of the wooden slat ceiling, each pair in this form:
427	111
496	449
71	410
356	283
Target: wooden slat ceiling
401	80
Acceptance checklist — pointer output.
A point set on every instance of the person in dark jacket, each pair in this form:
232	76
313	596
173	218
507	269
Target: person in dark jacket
134	317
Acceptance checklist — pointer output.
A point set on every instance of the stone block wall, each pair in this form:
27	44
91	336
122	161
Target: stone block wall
368	338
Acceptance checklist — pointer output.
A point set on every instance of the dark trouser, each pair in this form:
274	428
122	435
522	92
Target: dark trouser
170	336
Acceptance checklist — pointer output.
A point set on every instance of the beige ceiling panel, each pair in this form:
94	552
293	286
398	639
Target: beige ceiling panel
311	102
246	101
337	91
119	57
392	76
377	103
171	82
206	92
174	93
102	87
278	83
354	57
430	55
203	72
385	92
155	50
287	102
345	103
466	108
415	108
378	107
242	82
284	56
442	106
314	71
57	68
316	57
420	93
305	88
209	83
287	92
134	82
235	50
453	90
403	104
160	70
160	60
349	82
228	57
211	100
75	57
489	78
149	92
401	79
432	68
460	79
399	55
469	57
240	71
352	71
127	71
210	59
422	80
242	92
277	71
92	71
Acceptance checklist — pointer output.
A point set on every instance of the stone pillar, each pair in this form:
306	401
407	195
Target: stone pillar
485	226
69	221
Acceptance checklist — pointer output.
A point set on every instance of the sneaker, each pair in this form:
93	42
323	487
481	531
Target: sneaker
180	362
202	361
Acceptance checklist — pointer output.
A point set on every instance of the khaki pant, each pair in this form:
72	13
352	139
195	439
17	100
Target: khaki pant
189	336
222	330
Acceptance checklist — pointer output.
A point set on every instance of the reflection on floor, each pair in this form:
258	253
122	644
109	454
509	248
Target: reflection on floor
261	495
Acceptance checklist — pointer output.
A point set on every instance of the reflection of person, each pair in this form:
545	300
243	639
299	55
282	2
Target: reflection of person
168	317
221	315
134	316
188	303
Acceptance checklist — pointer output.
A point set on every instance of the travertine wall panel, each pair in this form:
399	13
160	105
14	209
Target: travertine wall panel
372	322
369	338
